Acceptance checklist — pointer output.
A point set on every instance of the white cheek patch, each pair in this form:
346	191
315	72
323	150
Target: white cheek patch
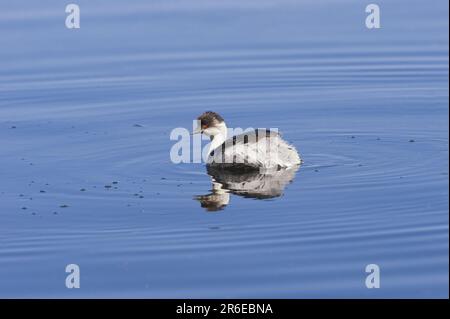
211	131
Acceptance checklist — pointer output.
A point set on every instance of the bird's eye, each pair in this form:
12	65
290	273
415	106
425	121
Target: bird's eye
204	126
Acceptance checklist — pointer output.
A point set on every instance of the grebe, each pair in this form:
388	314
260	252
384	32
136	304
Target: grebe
259	149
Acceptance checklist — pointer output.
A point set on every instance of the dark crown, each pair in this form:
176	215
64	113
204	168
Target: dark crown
210	119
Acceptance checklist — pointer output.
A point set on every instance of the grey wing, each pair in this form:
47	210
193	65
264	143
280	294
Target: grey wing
249	148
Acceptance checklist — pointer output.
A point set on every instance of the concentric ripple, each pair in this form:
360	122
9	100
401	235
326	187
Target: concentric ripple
87	178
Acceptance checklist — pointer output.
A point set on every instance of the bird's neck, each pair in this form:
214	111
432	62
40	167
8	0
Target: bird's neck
219	138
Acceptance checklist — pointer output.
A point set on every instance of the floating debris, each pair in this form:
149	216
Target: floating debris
64	206
411	141
138	125
41	191
82	190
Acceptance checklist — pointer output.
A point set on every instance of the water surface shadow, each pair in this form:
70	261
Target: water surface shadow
249	184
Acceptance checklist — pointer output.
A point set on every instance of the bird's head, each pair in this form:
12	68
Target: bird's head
211	124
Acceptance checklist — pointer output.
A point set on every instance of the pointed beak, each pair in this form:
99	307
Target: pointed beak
198	130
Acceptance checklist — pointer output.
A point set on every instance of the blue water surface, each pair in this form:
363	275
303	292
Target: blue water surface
86	176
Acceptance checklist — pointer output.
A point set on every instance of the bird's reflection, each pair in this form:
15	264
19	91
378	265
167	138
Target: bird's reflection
249	184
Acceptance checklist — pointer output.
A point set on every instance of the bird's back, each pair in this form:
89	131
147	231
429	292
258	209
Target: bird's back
255	149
